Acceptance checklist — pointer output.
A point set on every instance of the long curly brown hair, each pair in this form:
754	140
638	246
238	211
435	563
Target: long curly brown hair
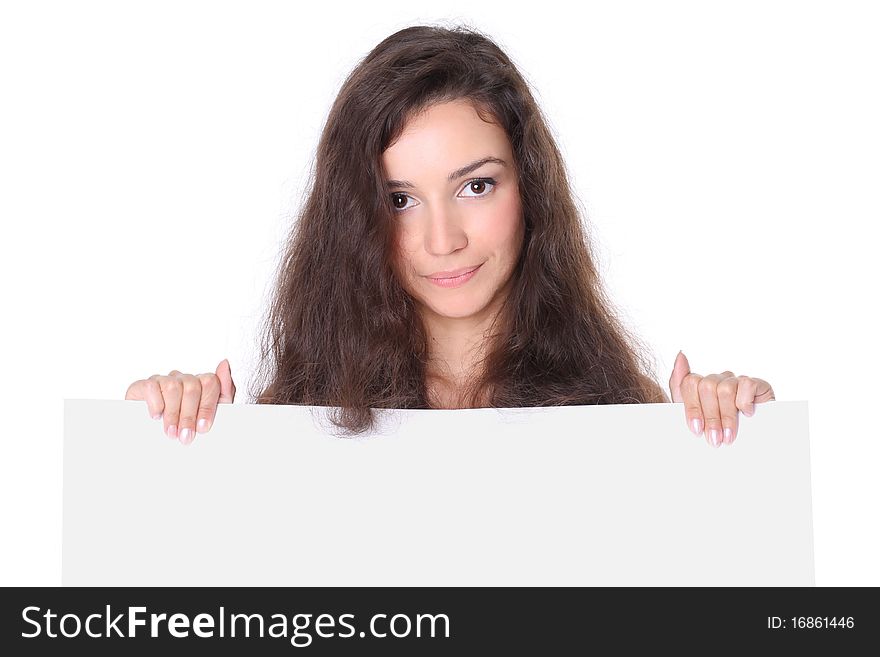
342	332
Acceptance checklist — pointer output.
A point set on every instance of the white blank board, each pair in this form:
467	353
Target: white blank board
617	495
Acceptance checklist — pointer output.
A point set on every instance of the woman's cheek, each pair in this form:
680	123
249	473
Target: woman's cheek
405	263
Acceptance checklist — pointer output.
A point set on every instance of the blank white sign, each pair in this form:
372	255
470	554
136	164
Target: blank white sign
617	495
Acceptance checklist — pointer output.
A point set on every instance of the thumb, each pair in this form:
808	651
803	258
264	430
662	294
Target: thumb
680	369
227	387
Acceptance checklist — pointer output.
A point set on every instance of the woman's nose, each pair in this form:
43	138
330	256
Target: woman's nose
444	233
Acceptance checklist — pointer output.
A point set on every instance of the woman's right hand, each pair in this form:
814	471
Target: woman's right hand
185	402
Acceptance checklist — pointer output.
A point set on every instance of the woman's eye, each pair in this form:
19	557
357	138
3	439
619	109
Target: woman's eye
399	197
477	186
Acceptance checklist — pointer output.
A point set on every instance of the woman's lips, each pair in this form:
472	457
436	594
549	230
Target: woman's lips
455	281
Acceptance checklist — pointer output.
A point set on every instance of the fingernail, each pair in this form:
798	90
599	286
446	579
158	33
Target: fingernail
714	436
157	416
728	435
186	436
697	426
202	425
172	431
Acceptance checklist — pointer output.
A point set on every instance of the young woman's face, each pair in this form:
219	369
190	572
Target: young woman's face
453	217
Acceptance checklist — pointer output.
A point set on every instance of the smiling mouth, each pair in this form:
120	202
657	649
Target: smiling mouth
455	281
459	275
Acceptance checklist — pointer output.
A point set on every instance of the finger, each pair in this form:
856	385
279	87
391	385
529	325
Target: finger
141	390
153	396
727	388
135	390
189	407
172	392
227	387
708	390
208	404
693	411
763	392
680	369
746	390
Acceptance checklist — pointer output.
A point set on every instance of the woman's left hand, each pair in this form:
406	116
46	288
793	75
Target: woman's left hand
713	402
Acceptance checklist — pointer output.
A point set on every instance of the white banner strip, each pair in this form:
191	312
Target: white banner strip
619	495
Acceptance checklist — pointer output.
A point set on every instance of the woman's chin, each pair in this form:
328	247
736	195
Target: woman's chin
456	308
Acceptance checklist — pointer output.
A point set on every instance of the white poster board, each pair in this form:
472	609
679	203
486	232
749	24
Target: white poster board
617	495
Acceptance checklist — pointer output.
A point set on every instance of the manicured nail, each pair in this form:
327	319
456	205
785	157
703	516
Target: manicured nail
186	436
172	431
202	425
697	426
157	416
714	437
728	435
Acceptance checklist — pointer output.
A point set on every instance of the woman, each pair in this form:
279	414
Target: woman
440	262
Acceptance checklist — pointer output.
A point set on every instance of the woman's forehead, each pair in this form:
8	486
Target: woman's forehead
444	138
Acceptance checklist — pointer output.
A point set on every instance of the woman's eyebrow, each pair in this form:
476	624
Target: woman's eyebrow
458	173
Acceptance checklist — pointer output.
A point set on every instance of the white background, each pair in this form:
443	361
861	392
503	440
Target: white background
152	154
